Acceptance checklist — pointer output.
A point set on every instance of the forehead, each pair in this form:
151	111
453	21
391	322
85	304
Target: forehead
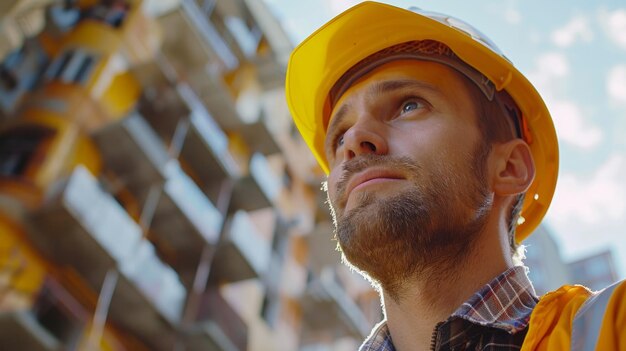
436	78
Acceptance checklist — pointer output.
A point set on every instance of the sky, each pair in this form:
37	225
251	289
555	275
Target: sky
574	53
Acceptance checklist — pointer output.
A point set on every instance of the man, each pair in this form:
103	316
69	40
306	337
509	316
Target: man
442	157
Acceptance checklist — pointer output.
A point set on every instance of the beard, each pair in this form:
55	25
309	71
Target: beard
423	232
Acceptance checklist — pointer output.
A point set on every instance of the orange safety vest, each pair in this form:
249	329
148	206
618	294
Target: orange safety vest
574	318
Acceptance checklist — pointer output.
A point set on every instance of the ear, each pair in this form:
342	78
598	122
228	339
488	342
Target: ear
514	167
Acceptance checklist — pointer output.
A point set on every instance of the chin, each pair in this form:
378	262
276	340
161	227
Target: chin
390	240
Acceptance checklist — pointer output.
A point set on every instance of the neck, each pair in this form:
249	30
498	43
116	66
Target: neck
433	296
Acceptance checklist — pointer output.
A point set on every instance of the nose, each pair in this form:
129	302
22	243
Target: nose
362	139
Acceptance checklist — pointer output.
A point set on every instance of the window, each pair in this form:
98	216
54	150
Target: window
64	16
20	72
57	311
111	12
58	65
271	299
247	38
84	69
9	67
72	66
18	146
8	80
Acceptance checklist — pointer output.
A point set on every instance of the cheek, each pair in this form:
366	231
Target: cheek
331	184
334	160
433	140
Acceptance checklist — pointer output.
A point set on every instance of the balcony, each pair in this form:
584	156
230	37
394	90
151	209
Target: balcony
20	74
20	330
178	115
148	299
181	119
215	94
259	189
161	104
272	63
259	137
82	226
218	326
195	42
228	9
184	222
132	149
242	252
182	64
322	245
205	147
243	114
328	303
327	307
271	73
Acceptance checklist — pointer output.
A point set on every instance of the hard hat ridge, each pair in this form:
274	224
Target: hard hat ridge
346	47
427	50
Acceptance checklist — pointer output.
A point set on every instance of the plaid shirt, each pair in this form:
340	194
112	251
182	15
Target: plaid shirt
494	318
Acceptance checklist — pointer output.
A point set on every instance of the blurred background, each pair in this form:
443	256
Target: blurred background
155	195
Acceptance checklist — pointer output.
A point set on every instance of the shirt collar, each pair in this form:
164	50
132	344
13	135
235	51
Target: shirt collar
379	339
506	303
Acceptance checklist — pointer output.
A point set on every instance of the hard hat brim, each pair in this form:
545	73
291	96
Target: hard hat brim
321	59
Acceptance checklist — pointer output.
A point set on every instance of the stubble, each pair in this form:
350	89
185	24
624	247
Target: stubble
422	232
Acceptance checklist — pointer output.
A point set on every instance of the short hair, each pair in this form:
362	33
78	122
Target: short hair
496	125
497	113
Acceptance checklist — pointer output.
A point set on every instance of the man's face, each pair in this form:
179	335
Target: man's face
407	184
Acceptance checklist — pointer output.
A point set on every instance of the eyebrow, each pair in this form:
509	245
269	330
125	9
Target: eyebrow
377	89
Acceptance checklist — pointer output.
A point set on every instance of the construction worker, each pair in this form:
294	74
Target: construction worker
441	158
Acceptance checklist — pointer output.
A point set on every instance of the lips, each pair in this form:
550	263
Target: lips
370	176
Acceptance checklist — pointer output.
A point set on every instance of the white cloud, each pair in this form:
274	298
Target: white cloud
553	64
597	200
588	212
338	6
616	84
512	16
552	70
571	126
550	67
576	29
614	23
294	29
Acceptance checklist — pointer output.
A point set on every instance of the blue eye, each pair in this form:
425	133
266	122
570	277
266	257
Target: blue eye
339	141
410	106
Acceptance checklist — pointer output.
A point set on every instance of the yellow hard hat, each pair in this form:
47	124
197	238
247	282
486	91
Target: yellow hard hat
369	27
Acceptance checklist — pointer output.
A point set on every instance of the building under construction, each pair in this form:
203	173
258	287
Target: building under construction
154	194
